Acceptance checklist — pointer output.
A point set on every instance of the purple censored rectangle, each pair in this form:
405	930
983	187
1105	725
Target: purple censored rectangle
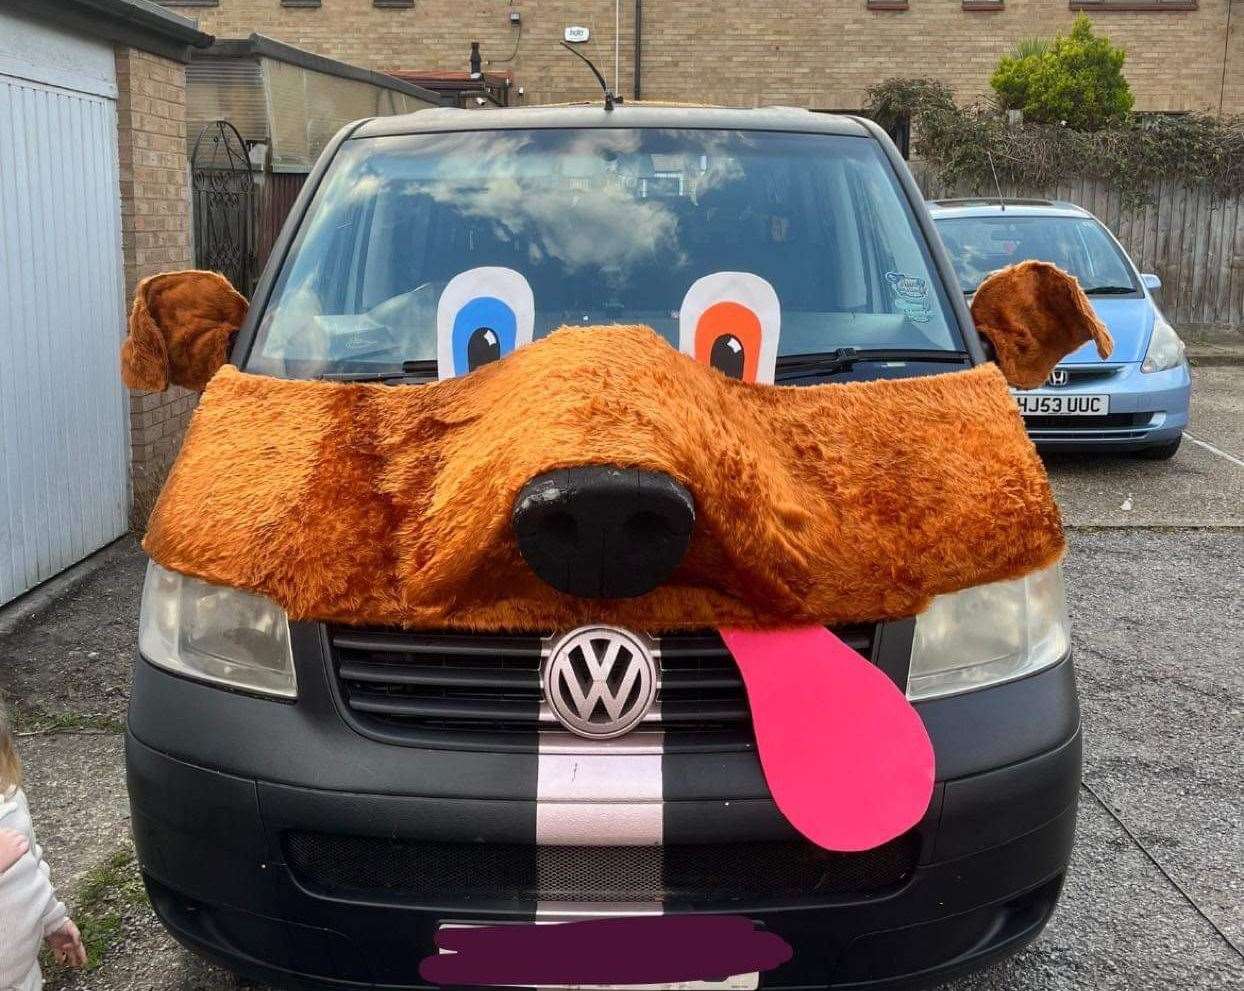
661	949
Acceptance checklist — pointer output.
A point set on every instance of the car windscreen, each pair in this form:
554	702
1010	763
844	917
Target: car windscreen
1079	245
605	226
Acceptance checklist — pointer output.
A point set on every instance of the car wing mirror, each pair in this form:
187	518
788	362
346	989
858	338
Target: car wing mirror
1151	282
1034	314
181	328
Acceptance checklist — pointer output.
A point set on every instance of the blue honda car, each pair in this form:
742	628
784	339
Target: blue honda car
1135	400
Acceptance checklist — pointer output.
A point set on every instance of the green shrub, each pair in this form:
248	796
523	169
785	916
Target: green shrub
1030	46
1076	80
1132	153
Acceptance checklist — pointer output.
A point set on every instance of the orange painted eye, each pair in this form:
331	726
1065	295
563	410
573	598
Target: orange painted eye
728	337
731	322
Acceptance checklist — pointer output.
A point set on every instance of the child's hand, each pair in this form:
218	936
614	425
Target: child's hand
13	846
66	945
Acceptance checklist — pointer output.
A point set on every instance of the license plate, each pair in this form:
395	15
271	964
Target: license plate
1044	404
739	982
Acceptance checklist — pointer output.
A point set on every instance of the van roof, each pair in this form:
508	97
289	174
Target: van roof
623	115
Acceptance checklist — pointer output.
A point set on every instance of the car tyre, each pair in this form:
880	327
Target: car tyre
1163	452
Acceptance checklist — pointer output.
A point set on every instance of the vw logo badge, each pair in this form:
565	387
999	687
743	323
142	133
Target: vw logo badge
1058	376
600	681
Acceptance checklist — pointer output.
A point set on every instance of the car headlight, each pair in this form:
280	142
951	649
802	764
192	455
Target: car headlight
215	634
989	634
1166	350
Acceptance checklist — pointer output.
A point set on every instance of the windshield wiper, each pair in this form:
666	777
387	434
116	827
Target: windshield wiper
788	367
1110	291
844	359
388	375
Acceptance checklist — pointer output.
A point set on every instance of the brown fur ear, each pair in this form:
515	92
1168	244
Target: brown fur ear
1034	314
181	327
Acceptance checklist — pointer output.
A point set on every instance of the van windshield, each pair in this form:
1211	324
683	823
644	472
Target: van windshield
605	226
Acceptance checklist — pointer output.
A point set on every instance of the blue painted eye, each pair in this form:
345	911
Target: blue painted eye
483	315
483	331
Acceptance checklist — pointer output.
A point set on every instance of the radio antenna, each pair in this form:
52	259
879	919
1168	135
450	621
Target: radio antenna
610	99
996	185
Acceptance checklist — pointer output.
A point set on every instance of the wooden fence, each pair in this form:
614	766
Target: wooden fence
1191	238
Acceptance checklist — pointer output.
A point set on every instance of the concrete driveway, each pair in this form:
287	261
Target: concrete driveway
1155	899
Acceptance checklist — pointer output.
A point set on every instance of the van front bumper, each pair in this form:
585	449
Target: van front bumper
221	782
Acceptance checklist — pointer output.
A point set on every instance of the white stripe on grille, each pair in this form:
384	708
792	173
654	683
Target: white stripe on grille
600	792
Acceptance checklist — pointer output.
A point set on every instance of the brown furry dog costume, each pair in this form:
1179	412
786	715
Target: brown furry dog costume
391	505
799	507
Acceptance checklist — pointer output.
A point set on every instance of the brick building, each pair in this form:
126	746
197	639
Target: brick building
1182	54
155	237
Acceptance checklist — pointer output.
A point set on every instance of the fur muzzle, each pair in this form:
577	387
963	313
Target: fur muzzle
395	505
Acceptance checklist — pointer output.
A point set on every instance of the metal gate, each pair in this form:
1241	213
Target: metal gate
63	426
224	204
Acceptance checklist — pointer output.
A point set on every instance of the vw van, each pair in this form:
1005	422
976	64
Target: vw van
314	802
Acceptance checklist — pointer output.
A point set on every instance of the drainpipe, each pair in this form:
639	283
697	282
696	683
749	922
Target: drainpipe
639	46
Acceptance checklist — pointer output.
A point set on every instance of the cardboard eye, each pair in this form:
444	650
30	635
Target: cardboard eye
483	315
732	321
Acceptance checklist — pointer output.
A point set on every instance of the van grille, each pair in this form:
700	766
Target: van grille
482	691
702	874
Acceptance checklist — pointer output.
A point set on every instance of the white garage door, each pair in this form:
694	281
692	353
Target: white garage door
63	425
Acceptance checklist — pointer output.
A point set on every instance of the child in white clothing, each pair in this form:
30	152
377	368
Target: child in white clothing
30	912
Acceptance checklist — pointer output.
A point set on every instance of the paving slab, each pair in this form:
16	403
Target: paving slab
1218	408
1158	626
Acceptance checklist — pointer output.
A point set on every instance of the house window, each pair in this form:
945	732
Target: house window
983	5
300	3
393	3
1142	6
886	4
190	3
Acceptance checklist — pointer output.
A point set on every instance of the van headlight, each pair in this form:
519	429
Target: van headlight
1165	351
989	634
212	633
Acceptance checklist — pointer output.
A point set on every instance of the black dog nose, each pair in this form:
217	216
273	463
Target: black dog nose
602	532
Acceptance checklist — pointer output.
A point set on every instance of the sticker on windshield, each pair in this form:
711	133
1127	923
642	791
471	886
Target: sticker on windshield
912	295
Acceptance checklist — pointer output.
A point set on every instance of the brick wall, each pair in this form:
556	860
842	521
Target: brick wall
437	34
814	53
827	54
155	237
1233	76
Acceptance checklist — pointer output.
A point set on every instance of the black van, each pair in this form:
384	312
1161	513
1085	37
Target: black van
312	803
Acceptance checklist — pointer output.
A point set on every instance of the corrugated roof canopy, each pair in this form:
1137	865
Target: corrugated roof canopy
290	99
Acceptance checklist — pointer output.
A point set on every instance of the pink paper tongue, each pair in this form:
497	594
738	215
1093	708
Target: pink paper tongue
847	758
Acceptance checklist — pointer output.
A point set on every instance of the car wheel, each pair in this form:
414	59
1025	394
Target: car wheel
1163	452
